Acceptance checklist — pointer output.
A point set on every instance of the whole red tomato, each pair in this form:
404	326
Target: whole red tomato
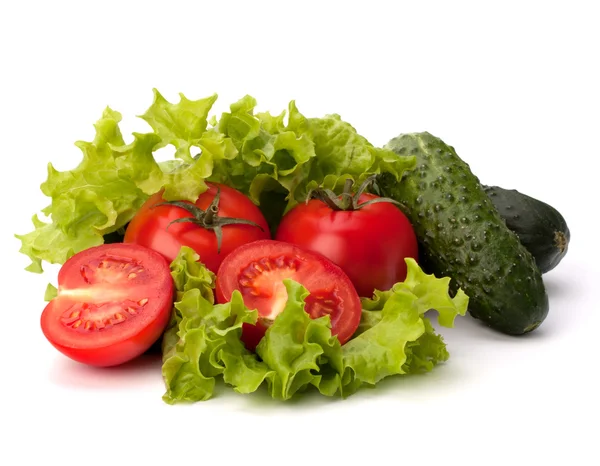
220	220
369	240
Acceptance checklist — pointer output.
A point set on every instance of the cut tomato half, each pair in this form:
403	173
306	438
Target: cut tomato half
258	269
113	302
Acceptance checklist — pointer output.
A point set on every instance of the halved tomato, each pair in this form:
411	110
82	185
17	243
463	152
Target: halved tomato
258	269
114	301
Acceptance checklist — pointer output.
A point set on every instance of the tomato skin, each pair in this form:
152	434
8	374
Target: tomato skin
369	244
327	284
149	226
123	292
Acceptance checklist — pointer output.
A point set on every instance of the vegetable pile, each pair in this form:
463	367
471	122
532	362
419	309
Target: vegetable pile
274	250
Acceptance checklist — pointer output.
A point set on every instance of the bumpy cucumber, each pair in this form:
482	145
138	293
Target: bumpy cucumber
462	235
540	227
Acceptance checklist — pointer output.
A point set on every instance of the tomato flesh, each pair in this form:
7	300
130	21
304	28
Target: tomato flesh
258	269
113	302
152	227
369	244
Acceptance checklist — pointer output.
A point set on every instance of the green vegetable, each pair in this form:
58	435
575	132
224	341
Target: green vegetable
461	235
297	352
274	162
540	227
101	194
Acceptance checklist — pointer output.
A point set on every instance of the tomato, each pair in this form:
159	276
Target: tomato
114	301
165	228
369	243
258	269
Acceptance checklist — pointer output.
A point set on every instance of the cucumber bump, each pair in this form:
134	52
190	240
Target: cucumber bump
462	235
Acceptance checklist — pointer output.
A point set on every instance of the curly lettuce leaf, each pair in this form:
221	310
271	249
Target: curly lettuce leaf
96	198
185	125
188	273
297	352
275	163
341	153
299	156
269	155
182	124
190	368
394	336
198	332
207	344
295	347
427	352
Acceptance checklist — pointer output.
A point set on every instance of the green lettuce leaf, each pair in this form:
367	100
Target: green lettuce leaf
295	347
188	273
298	353
185	125
341	153
394	336
276	163
102	194
199	331
51	292
182	124
299	156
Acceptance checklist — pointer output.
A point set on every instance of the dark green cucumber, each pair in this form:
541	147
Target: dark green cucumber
462	235
540	227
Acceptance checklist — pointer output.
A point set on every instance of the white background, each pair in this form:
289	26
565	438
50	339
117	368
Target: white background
513	86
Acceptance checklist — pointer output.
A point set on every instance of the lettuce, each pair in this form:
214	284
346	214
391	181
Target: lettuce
201	336
394	336
297	156
273	161
298	353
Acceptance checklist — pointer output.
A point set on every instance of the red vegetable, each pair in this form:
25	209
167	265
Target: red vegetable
220	220
366	235
114	301
257	270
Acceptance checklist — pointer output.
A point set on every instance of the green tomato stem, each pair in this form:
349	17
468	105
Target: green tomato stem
208	219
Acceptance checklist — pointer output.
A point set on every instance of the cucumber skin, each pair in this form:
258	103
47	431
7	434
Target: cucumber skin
540	227
462	235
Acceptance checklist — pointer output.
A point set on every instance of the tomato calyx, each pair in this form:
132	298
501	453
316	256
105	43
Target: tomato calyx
348	201
208	219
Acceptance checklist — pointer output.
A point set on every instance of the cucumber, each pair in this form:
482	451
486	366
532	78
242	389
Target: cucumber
462	235
540	227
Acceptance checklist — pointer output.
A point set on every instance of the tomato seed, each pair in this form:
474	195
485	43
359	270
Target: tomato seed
279	262
266	264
